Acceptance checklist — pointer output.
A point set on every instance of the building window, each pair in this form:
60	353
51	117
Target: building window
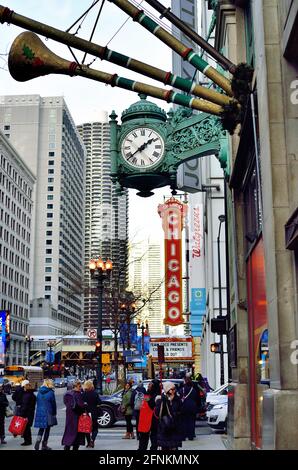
47	288
249	34
48	269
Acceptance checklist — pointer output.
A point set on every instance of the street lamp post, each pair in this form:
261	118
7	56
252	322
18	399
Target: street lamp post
221	218
128	309
28	340
100	270
143	327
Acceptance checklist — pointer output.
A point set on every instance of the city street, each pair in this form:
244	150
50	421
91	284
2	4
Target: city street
111	438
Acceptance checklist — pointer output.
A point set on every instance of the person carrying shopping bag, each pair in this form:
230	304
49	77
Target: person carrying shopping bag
93	401
27	409
75	406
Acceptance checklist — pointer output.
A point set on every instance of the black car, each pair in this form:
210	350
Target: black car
110	406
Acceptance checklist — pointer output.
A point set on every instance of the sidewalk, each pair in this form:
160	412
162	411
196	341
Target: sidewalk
109	440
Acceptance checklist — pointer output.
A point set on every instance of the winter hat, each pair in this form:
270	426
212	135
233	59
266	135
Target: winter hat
25	382
167	386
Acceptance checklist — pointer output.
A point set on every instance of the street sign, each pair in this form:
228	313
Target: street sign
92	333
106	368
105	358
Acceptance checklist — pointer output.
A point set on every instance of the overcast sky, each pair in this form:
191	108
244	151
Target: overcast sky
85	97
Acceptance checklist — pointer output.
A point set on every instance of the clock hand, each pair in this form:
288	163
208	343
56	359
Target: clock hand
147	143
142	147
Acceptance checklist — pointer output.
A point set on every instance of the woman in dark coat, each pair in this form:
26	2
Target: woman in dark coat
46	412
27	409
169	405
75	406
190	407
93	401
17	396
3	404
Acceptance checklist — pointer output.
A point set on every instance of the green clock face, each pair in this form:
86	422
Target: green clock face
142	147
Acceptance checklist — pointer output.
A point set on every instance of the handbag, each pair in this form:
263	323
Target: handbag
166	422
85	423
52	420
8	412
18	425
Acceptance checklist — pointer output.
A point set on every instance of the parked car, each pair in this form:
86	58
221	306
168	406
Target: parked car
217	408
69	381
222	390
110	406
218	415
59	382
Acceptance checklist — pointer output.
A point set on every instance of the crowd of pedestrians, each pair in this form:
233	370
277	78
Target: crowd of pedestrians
163	414
78	401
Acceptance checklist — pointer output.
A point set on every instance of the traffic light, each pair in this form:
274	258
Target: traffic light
219	325
97	348
215	347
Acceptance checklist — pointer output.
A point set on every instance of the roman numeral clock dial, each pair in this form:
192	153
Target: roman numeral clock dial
142	148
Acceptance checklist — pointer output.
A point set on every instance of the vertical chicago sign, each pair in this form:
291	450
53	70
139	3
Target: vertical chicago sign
172	213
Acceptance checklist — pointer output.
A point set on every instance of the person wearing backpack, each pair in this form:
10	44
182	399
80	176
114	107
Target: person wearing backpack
137	398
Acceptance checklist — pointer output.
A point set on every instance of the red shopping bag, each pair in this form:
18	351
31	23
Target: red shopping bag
17	425
145	419
85	424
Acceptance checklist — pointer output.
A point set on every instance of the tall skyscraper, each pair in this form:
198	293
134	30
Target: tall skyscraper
43	132
106	219
16	210
146	282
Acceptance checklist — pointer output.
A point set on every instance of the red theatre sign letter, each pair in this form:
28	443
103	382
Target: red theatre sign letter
172	213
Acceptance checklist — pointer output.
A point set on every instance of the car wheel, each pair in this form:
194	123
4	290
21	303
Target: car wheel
106	420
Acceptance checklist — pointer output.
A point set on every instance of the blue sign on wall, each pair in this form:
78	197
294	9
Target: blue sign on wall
50	357
133	336
3	336
198	309
146	344
198	299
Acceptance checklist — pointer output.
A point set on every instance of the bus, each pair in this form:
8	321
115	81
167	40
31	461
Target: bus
16	374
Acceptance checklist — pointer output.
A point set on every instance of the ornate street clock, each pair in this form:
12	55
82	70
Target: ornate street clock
139	149
143	147
148	147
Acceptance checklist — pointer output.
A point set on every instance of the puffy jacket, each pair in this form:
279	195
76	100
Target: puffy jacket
46	404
